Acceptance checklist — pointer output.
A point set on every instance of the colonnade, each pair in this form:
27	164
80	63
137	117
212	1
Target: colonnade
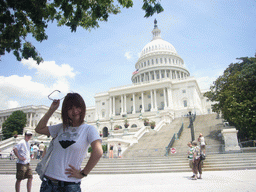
159	75
145	104
30	118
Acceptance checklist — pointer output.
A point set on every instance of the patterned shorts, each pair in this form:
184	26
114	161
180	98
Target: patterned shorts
23	171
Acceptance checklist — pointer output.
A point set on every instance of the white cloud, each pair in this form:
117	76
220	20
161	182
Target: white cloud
50	69
7	103
128	55
23	86
12	104
48	77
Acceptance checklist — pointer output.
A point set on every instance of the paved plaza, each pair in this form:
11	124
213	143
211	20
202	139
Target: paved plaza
240	181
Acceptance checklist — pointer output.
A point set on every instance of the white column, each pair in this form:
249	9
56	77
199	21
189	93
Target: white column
176	77
142	102
170	74
125	110
154	75
110	106
114	106
155	100
133	103
170	98
30	120
26	122
165	102
122	104
165	74
152	103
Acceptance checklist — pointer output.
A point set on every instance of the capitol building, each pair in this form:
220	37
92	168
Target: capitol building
161	90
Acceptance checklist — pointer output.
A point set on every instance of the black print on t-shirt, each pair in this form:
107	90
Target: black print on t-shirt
67	139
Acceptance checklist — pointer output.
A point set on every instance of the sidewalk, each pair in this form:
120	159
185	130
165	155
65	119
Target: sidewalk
228	181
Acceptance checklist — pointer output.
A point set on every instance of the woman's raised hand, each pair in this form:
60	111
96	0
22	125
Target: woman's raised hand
55	104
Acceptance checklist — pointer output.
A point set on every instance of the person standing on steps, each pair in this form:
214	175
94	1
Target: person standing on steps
190	156
202	143
70	145
111	151
22	151
119	150
41	149
35	151
196	160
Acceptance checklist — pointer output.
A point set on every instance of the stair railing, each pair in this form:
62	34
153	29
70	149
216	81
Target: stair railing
180	131
167	149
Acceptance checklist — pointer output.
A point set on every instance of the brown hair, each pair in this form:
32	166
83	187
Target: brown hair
72	99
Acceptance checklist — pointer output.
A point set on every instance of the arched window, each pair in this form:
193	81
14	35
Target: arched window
105	132
185	103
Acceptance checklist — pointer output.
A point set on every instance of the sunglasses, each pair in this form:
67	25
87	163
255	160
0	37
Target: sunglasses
54	93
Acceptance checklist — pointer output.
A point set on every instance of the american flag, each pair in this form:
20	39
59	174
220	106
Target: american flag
135	72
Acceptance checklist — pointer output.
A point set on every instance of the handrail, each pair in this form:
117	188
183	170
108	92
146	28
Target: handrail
170	145
173	139
180	131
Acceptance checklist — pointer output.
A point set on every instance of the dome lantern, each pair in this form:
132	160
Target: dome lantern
156	32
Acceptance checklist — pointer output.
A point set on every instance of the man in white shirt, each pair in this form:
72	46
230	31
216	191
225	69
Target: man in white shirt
41	149
22	151
35	150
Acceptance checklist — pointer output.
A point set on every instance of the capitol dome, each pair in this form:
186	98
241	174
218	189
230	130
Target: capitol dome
157	45
158	60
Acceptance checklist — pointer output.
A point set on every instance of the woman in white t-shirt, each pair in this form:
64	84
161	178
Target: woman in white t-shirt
202	143
71	141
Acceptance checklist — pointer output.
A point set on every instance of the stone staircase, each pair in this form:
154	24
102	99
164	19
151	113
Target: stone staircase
148	155
153	143
210	127
172	163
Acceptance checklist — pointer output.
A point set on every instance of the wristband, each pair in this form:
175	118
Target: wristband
82	173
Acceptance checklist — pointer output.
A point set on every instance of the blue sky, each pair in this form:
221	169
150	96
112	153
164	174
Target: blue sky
207	34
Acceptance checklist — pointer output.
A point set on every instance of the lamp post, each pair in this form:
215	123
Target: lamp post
191	126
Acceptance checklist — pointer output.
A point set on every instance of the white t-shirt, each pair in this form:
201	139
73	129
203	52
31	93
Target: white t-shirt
35	148
23	148
69	148
202	142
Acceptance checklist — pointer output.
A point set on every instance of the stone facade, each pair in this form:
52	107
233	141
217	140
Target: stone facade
161	90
